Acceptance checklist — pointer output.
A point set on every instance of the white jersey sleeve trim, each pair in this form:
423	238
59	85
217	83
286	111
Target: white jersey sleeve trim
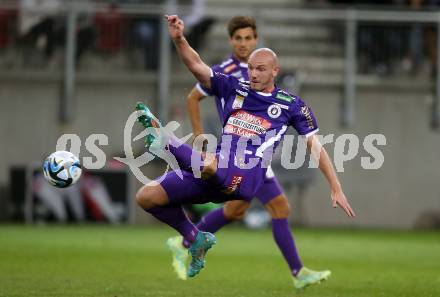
311	133
200	89
269	172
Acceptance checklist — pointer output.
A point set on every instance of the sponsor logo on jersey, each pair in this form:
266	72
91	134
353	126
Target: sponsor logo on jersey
245	124
274	111
238	102
230	68
236	181
282	106
285	97
244	84
242	93
306	112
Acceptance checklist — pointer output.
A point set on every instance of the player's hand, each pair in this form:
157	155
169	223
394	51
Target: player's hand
175	26
339	199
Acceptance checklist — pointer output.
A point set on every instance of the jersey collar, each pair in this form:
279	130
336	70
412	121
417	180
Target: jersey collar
237	62
275	90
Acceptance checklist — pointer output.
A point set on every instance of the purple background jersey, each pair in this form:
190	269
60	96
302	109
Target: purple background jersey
232	66
260	115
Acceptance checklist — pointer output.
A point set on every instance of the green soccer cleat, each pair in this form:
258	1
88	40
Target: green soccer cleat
307	277
148	120
201	209
180	256
198	249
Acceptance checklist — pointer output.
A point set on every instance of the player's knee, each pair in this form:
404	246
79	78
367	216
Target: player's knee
279	207
235	215
208	171
235	211
210	167
143	198
149	196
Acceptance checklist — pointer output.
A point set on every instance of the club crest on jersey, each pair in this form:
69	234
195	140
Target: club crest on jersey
274	111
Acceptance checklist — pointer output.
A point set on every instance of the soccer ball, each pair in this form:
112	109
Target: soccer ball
62	169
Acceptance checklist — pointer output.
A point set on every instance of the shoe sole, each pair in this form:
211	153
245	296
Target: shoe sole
322	279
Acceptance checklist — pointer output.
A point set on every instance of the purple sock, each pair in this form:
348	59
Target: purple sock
283	238
211	222
175	217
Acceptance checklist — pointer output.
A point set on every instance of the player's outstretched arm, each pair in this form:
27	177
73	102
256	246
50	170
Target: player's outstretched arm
326	167
193	106
189	56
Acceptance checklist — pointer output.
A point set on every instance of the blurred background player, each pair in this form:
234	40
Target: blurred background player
243	38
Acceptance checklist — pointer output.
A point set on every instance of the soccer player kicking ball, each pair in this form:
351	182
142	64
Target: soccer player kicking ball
243	38
261	116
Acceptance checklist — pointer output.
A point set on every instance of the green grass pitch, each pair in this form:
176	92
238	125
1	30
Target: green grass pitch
133	261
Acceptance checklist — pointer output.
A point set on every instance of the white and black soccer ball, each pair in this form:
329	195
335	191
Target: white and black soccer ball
62	169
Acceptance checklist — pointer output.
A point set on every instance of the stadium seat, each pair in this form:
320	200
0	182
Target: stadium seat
7	19
109	30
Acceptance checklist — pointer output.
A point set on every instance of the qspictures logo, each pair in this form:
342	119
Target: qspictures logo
346	148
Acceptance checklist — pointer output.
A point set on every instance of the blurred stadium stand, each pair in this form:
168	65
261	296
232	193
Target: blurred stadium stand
360	68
